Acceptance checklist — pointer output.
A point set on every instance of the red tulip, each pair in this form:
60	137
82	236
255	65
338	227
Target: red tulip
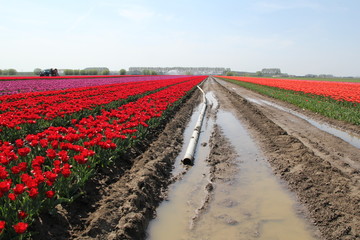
50	194
22	215
20	227
2	226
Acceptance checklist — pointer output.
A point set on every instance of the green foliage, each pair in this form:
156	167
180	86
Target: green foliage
37	71
92	72
69	72
85	72
149	72
146	72
122	72
230	74
340	110
12	71
105	72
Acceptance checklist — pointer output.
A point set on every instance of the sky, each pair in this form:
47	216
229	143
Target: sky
298	36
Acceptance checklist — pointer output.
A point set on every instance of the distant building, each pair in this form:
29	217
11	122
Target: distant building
181	70
326	76
310	76
271	71
98	69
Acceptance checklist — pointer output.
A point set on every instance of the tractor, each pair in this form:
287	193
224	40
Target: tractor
49	73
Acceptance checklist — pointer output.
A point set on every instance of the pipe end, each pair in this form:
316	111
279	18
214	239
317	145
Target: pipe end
187	161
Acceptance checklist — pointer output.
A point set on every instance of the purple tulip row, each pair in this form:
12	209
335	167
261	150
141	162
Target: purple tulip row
36	85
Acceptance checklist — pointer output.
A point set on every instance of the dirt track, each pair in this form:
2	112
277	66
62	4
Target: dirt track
321	169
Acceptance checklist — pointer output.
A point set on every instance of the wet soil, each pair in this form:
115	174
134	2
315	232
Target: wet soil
322	170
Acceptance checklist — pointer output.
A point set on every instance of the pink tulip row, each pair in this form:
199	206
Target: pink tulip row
41	84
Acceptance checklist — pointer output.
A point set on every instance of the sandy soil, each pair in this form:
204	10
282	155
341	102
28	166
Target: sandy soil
321	169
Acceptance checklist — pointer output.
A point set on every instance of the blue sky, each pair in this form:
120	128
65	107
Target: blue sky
297	36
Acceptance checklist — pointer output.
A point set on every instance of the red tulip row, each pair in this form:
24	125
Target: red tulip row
23	108
49	167
341	91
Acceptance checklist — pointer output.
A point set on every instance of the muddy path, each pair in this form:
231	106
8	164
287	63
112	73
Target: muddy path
230	192
320	169
323	170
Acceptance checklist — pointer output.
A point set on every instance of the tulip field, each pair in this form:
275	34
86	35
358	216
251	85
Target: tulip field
341	91
55	132
337	100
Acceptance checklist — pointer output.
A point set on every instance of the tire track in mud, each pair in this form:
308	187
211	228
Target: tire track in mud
330	194
221	159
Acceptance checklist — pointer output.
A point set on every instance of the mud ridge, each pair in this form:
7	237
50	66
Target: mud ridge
223	167
120	201
330	195
143	187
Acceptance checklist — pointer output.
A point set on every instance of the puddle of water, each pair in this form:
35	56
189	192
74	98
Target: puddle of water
353	140
253	205
187	195
210	96
186	139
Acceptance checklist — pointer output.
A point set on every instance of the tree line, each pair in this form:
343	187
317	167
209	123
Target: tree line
7	72
10	71
106	72
86	72
90	72
75	72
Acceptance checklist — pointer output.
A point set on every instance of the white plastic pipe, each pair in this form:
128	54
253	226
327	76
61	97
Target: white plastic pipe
190	151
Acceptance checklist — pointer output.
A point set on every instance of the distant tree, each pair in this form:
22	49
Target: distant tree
152	72
69	72
12	71
230	74
1	72
105	72
37	71
146	72
259	73
122	72
83	72
92	72
76	72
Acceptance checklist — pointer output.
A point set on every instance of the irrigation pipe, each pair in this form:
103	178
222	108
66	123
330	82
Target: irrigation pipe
190	151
